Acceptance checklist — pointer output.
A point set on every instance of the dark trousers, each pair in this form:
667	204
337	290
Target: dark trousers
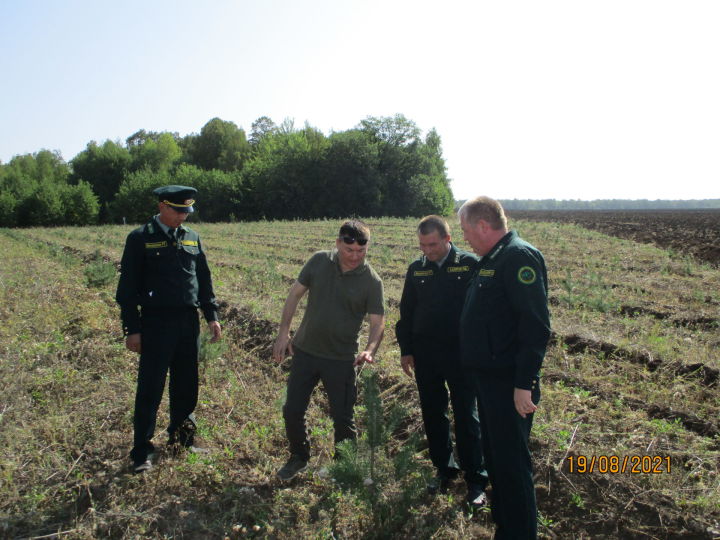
338	378
505	443
170	341
438	365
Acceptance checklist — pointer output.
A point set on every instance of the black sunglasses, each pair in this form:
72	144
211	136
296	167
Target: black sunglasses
352	240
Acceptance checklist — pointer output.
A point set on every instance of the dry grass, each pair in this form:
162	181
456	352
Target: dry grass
630	372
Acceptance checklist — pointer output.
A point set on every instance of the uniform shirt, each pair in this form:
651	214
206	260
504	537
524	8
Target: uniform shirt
432	299
159	272
163	227
505	322
337	304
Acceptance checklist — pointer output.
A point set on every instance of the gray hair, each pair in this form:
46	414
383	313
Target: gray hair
486	209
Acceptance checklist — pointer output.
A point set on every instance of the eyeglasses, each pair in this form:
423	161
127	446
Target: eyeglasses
352	240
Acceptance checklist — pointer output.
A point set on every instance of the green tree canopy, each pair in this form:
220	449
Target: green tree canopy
352	176
31	190
260	128
23	173
103	167
221	195
220	145
80	205
383	166
135	201
395	130
157	151
284	174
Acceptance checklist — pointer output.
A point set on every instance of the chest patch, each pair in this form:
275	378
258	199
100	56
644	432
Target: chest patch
423	273
189	243
458	269
155	245
486	272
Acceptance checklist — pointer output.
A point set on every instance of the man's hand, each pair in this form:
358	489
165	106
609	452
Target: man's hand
283	343
216	331
523	402
365	356
282	347
132	343
408	364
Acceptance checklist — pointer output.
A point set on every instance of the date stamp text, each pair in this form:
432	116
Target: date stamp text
619	464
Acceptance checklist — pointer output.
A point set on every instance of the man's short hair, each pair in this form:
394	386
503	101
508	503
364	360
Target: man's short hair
354	228
486	209
430	224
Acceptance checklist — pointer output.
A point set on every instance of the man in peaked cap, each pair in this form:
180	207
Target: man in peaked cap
165	274
179	198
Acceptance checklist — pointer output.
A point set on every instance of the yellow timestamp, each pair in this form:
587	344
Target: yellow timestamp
619	464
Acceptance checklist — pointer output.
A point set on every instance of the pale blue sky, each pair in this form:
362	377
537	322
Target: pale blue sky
532	99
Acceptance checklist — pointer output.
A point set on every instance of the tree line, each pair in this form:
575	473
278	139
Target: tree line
383	166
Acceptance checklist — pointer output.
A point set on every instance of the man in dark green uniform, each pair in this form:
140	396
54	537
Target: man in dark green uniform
504	330
164	273
427	333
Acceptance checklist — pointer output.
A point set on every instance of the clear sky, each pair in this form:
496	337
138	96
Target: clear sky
567	99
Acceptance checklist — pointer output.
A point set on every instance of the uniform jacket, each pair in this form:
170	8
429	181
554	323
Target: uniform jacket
157	271
505	322
432	299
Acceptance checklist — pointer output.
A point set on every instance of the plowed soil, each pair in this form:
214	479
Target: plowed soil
693	232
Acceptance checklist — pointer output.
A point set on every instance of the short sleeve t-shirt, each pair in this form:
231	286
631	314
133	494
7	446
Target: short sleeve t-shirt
337	304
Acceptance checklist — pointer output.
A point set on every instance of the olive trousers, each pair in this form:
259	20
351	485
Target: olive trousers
338	378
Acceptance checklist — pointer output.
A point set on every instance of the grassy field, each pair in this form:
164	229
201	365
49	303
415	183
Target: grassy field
632	370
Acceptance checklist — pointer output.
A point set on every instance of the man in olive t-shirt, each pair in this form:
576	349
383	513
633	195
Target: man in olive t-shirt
343	289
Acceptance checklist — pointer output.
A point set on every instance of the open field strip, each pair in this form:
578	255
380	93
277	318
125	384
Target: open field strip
626	288
629	372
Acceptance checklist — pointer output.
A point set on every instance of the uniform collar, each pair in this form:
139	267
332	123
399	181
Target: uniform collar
164	227
497	248
451	255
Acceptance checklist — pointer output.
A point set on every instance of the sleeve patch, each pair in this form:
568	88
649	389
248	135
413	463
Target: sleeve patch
527	275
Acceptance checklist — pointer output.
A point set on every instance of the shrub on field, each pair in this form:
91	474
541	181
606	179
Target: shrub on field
99	273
